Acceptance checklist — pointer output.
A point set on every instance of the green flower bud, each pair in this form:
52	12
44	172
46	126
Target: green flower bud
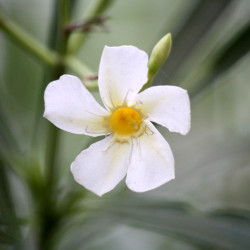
159	55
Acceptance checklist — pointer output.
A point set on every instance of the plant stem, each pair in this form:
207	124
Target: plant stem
41	52
75	65
77	39
49	212
22	38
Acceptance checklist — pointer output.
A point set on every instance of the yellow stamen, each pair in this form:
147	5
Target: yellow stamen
125	121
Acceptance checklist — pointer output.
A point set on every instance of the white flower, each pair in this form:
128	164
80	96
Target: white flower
132	146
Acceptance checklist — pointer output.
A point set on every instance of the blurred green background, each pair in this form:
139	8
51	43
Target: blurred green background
207	206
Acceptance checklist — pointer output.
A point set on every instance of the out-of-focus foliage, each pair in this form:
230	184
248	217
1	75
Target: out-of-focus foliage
207	206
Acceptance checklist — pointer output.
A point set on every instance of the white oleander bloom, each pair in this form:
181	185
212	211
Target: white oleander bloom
133	147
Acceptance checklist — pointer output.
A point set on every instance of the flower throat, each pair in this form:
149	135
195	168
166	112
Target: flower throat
125	121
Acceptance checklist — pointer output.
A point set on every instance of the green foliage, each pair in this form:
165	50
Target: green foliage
217	230
207	206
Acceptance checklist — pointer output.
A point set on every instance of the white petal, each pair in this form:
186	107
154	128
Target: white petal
168	106
70	106
102	166
122	72
152	162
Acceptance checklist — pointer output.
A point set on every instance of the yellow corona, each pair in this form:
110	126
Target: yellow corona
125	121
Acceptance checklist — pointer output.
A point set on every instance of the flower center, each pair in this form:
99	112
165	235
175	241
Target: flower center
125	121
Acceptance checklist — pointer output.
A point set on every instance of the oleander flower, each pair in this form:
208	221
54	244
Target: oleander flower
133	147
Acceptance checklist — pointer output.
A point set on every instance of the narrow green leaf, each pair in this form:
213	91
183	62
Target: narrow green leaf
216	231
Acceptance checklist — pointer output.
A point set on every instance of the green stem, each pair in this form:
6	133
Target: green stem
21	37
44	54
75	65
50	218
77	39
147	84
57	71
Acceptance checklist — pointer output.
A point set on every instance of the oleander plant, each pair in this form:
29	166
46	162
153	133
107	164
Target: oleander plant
124	124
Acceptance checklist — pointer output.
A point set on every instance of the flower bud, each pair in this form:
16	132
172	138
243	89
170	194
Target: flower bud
158	56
